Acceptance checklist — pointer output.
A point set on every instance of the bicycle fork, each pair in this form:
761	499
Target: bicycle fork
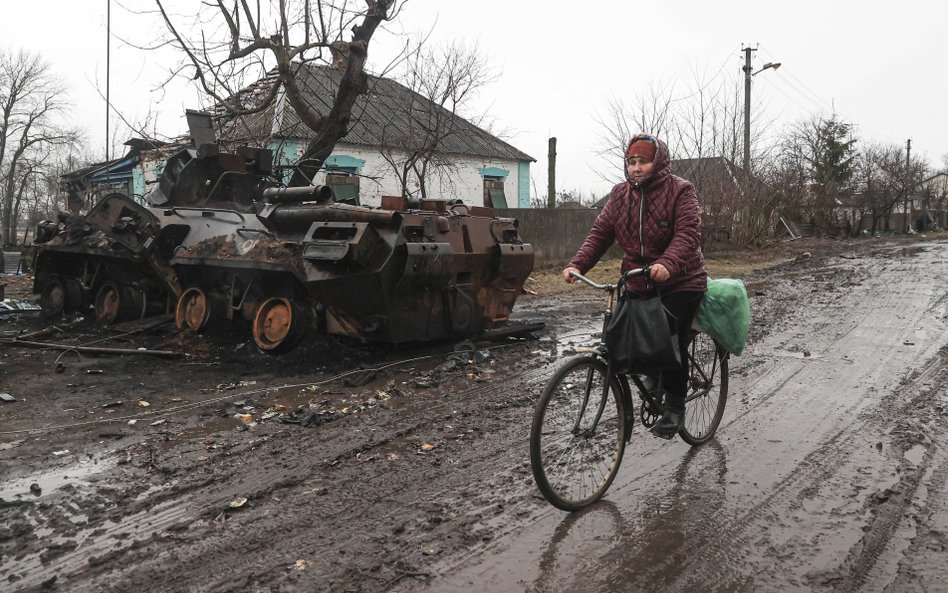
624	396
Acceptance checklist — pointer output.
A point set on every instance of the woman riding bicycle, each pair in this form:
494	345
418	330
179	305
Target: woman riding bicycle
654	217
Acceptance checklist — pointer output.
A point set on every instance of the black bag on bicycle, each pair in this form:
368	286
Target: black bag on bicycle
642	337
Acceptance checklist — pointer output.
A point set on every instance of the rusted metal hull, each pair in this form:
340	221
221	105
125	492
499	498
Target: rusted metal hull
287	260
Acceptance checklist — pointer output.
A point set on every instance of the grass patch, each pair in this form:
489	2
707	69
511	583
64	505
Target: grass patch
548	280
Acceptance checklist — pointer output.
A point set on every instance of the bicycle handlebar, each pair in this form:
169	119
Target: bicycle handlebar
611	287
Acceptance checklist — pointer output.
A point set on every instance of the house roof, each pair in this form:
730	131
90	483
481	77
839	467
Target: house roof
115	168
706	170
379	114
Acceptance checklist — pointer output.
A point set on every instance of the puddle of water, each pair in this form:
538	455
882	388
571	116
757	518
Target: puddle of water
915	454
52	479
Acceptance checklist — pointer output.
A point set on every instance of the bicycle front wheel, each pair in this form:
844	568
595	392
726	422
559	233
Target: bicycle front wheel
707	390
578	434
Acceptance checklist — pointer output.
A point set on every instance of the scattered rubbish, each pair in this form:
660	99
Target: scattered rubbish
18	306
61	453
207	442
300	565
245	418
481	356
448	365
306	417
113	404
94	371
6	397
422	382
428	447
143	403
133	422
908	343
806	354
158	422
203	458
465	346
431	551
393	456
237	502
35	489
177	399
359	378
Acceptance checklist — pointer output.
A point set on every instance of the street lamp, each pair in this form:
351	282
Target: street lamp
748	73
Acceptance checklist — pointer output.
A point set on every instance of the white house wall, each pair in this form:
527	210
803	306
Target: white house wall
463	181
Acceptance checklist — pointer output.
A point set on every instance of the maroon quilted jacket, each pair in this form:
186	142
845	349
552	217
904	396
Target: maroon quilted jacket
656	221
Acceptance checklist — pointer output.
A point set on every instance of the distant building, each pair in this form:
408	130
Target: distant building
83	187
472	165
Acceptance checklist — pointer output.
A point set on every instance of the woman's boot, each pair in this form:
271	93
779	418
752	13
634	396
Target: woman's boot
672	419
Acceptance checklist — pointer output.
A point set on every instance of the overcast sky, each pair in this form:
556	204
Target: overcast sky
558	63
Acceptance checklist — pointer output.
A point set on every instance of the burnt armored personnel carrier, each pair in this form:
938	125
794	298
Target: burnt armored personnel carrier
219	240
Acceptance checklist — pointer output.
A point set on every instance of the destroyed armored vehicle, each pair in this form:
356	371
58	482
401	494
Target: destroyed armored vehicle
219	240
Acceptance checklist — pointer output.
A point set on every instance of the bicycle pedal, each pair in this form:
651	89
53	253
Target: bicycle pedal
663	435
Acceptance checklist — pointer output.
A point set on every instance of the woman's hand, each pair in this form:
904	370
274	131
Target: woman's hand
659	273
567	274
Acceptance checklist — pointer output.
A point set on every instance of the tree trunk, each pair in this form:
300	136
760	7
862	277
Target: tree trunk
335	125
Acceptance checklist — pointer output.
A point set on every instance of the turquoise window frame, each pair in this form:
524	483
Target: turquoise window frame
493	172
344	162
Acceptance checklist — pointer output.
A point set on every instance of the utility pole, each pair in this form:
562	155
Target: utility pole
908	160
747	110
551	175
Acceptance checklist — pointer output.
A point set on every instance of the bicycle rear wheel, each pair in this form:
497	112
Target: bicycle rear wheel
578	434
707	390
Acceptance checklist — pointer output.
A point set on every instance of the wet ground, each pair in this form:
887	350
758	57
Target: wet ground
342	468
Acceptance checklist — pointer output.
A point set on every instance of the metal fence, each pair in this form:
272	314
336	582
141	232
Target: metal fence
10	261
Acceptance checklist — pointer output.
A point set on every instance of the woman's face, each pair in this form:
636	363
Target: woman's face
638	167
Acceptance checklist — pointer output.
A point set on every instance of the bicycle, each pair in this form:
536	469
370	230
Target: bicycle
584	417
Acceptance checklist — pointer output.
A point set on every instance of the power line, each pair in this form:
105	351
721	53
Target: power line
708	83
814	98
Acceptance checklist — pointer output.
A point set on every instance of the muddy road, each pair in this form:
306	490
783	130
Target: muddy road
348	469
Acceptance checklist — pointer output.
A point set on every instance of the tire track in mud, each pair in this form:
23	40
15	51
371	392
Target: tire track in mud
885	509
814	470
818	467
736	532
178	508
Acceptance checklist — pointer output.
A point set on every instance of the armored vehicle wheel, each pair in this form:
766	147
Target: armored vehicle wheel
278	325
196	308
61	295
53	297
115	302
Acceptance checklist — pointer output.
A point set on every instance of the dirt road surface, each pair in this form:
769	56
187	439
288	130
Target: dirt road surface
342	468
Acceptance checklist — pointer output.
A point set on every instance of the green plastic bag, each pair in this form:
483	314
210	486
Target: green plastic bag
724	314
